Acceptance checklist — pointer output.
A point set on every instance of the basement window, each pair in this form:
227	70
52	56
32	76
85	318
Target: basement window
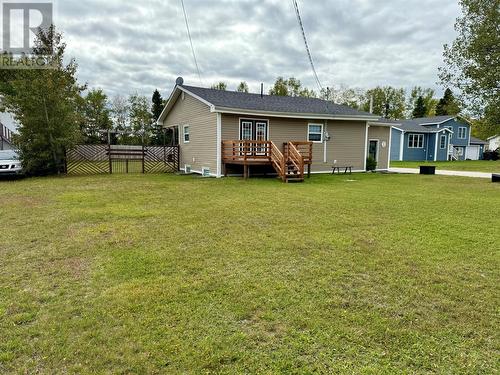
315	133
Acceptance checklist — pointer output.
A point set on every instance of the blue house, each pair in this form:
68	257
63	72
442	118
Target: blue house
437	138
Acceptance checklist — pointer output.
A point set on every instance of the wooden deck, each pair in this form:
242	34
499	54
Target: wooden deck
288	162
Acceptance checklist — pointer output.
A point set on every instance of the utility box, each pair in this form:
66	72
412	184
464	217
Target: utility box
427	169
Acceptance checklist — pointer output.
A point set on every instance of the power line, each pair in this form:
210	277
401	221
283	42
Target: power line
299	19
191	41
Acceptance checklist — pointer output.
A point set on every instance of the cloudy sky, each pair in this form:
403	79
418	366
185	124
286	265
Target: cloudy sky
137	46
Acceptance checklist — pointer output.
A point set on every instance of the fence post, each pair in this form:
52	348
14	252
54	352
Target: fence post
143	153
109	154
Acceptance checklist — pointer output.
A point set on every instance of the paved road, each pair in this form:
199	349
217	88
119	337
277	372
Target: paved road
444	173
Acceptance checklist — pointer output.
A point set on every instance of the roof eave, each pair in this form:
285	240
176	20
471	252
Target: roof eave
313	116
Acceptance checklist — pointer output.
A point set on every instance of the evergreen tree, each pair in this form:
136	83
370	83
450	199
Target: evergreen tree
447	105
157	107
420	110
46	104
427	95
158	132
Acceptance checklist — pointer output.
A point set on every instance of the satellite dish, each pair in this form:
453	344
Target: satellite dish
179	81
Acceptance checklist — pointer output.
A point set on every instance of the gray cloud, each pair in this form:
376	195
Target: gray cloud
129	46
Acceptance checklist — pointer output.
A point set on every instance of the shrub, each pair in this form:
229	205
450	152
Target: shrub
491	155
371	164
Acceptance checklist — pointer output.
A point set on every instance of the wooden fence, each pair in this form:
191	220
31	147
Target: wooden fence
99	159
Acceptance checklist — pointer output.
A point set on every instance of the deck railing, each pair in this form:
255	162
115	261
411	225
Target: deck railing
243	150
296	159
277	160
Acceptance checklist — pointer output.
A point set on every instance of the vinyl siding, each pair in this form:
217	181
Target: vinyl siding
415	154
382	134
346	146
201	151
455	124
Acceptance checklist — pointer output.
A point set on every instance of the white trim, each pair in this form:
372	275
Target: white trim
310	116
465	135
173	97
436	146
366	146
184	133
389	148
253	120
438	123
377	154
196	96
396	128
418	141
219	146
325	131
198	172
322	132
381	123
442	148
401	146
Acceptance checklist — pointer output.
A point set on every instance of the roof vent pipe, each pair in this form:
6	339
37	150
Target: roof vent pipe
371	104
262	90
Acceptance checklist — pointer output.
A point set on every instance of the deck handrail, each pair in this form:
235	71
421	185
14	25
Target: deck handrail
277	160
296	158
245	150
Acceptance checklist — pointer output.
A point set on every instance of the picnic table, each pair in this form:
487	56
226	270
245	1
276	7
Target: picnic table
345	168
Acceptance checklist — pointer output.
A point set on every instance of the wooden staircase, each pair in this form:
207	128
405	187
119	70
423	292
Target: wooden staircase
289	164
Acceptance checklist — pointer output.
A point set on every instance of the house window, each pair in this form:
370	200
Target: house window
415	141
185	133
315	133
462	132
442	142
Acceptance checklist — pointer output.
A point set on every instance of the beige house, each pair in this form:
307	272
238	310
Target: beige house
225	132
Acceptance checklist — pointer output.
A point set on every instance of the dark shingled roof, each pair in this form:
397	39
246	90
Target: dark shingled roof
272	103
477	141
415	124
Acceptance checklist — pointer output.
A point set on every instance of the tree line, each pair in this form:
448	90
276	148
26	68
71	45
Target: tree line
55	112
387	101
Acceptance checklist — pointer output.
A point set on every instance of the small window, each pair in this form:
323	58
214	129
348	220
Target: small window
205	172
315	133
415	141
442	142
462	132
185	133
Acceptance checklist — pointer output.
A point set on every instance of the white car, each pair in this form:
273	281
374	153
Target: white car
10	163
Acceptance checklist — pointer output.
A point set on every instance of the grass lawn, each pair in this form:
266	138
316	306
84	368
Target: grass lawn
459	165
175	274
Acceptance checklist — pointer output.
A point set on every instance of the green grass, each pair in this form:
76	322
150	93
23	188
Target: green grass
367	273
465	165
